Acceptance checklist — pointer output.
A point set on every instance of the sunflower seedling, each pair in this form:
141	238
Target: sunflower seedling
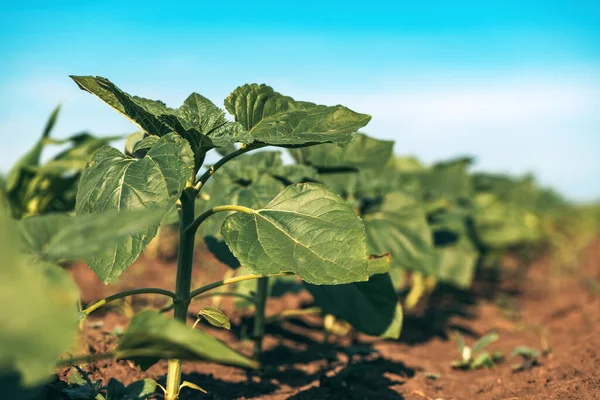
529	358
475	357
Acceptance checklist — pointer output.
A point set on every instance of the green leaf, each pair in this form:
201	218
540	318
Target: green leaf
484	342
525	352
60	237
448	180
138	390
200	114
142	112
362	152
113	181
132	141
370	307
161	337
215	317
499	224
483	359
245	182
306	229
32	157
456	264
275	119
398	225
38	329
198	120
298	173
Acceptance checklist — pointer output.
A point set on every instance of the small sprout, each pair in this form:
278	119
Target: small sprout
529	358
213	316
475	357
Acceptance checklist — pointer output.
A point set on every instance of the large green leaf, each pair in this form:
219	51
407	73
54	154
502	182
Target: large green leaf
275	119
60	237
245	181
142	112
371	307
499	224
454	256
362	152
160	337
113	181
456	264
398	225
306	229
198	120
447	180
39	312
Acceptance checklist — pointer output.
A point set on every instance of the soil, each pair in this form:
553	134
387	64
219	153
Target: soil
556	311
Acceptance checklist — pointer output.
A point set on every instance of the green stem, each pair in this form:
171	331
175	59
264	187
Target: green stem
185	256
229	294
229	281
126	293
262	289
213	168
193	226
417	291
294	313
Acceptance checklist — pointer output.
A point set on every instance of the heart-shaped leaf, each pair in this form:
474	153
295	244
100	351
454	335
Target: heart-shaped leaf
371	307
306	229
275	119
114	181
198	120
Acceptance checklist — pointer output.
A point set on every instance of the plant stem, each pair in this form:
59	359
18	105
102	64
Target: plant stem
126	293
193	226
229	281
226	294
185	256
213	168
417	290
294	313
262	289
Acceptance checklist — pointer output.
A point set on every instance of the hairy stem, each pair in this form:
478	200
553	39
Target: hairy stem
262	289
185	255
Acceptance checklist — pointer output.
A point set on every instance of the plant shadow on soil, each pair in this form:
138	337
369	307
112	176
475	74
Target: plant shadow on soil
297	358
298	361
360	379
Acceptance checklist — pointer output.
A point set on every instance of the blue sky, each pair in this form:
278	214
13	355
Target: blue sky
516	84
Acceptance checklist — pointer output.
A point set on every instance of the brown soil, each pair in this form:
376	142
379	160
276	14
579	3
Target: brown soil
558	312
